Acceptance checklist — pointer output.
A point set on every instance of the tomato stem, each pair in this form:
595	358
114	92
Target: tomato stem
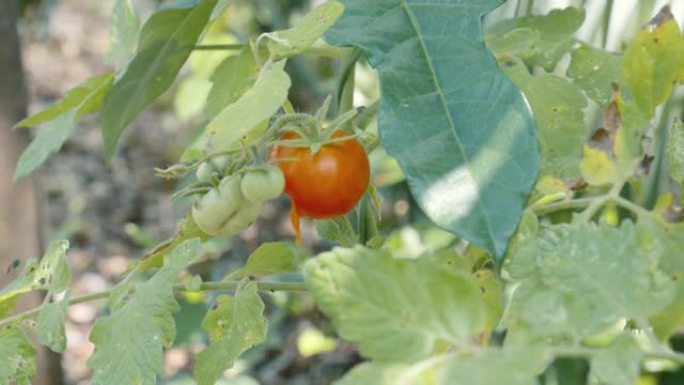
206	286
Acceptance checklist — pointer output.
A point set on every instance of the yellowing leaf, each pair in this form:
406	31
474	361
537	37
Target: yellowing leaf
653	62
598	169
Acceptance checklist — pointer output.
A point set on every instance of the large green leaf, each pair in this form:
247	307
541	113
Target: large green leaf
129	342
490	367
558	107
60	121
256	105
18	355
460	130
396	310
166	41
234	325
309	29
578	279
540	40
124	32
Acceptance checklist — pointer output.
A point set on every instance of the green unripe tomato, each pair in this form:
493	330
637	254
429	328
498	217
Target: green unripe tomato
213	167
262	184
224	211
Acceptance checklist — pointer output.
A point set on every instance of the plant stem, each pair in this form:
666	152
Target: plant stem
607	13
563	205
631	206
207	286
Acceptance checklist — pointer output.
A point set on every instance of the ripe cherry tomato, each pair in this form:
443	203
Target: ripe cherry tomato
326	184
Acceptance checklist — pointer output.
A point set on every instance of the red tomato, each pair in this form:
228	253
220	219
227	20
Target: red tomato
327	184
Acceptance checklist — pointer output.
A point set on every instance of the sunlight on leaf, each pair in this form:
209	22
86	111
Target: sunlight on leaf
448	114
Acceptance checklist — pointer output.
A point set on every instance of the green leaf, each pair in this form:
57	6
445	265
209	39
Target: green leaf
234	76
166	41
491	367
49	140
234	325
8	304
60	121
619	363
517	366
50	273
124	33
668	241
80	100
18	355
376	373
50	329
191	97
187	229
270	258
576	280
537	40
310	28
238	119
653	62
558	107
396	310
460	130
129	342
338	229
675	150
594	70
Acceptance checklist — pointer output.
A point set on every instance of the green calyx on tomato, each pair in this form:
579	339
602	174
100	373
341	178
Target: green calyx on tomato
262	183
224	211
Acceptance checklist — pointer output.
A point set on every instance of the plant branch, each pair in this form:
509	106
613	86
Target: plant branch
206	286
563	205
631	206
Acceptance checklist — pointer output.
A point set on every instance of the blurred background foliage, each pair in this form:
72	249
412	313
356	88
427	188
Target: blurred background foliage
113	214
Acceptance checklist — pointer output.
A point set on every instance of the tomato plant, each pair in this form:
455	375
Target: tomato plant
545	231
